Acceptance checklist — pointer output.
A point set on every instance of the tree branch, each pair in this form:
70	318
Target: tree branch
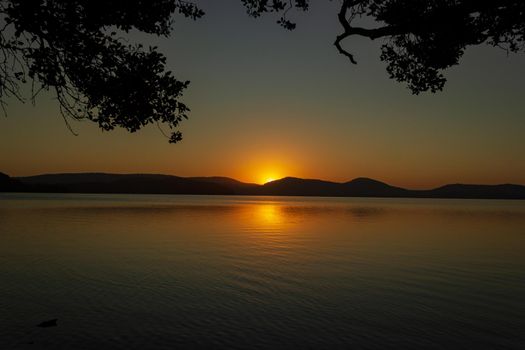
372	34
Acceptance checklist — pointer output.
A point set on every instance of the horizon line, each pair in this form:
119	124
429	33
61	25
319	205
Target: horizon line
262	184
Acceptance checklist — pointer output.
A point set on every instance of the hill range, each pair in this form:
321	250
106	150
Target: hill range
288	186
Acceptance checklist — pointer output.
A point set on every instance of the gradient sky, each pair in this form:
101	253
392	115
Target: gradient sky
268	103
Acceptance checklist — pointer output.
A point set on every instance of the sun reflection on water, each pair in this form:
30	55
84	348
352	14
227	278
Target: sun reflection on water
269	214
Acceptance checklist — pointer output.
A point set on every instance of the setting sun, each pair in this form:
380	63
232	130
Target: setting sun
263	177
269	179
267	163
269	176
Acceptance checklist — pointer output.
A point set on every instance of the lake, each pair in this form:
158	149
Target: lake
165	272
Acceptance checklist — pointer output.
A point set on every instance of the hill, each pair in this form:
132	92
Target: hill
123	183
288	186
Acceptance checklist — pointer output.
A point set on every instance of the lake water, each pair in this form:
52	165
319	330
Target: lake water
165	272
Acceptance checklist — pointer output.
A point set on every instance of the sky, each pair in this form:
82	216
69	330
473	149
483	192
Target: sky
268	103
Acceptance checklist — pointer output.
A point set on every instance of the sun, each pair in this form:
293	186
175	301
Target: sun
269	179
265	177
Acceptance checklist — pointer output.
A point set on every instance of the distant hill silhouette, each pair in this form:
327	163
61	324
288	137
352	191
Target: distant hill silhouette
8	184
124	183
292	186
288	186
507	191
237	187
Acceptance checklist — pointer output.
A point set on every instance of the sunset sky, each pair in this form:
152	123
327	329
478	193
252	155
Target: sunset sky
268	103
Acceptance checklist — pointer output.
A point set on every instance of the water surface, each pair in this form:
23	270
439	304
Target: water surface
161	272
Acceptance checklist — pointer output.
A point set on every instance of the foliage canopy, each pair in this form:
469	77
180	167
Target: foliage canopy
421	38
78	49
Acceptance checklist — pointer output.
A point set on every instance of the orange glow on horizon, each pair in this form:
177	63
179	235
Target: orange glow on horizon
266	167
269	179
269	176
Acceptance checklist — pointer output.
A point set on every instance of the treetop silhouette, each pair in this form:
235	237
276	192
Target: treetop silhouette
78	49
422	38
